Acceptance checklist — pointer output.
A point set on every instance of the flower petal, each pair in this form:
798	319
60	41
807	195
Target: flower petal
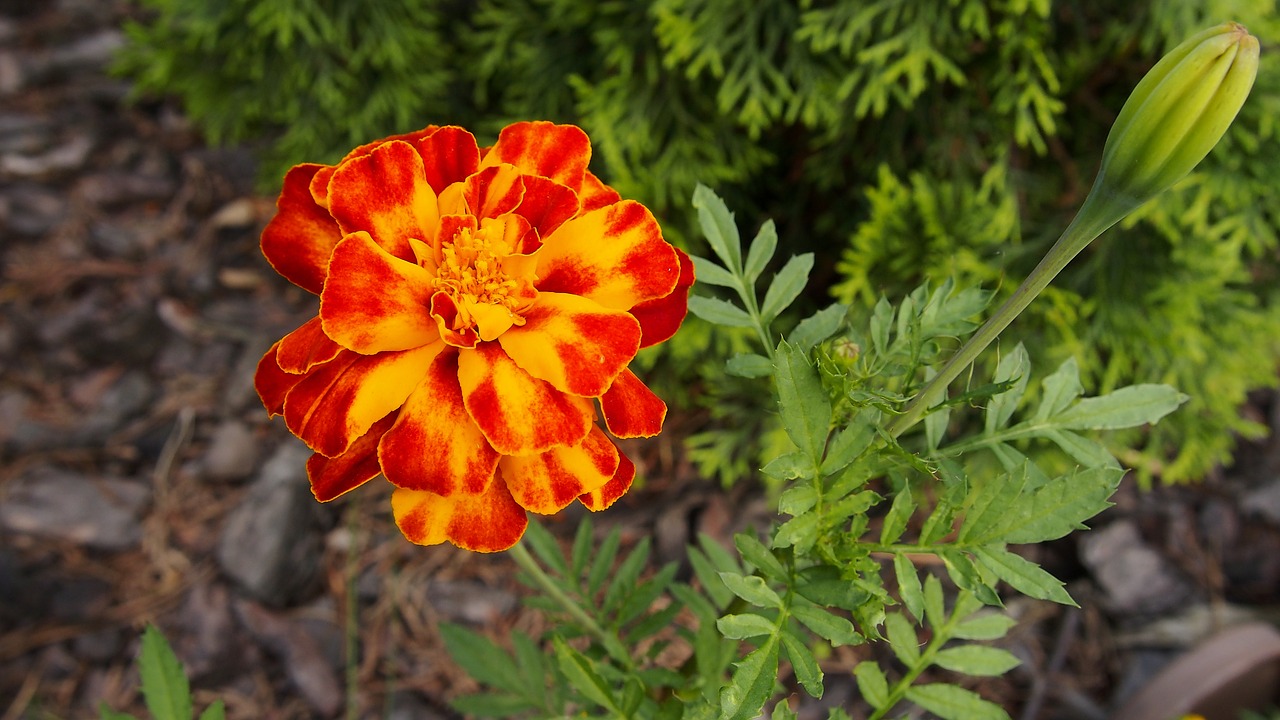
595	194
435	445
546	205
272	383
387	194
375	302
631	409
518	413
573	343
298	240
548	482
618	485
661	317
449	155
487	522
614	255
336	476
339	401
306	347
446	312
493	191
559	152
320	183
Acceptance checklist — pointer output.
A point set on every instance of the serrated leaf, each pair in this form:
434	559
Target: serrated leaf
1058	507
164	685
720	557
480	657
909	586
789	467
965	572
758	556
491	704
800	532
603	561
760	252
786	286
872	684
215	711
802	401
580	671
783	711
709	272
849	443
880	326
1023	575
718	227
643	596
626	576
1086	451
987	626
1058	391
902	639
583	541
745	625
752	589
720	312
992	501
895	521
818	326
833	628
934	609
823	585
954	703
531	665
751	683
804	664
106	713
1127	407
977	660
544	545
748	365
936	422
1015	367
797	499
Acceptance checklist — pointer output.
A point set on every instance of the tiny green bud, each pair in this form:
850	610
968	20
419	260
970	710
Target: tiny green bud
1177	113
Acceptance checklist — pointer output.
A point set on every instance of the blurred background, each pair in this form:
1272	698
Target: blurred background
141	146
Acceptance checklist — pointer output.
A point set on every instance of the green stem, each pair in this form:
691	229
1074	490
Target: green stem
1098	213
520	554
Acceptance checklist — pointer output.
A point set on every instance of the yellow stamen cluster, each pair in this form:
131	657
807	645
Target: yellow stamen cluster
471	272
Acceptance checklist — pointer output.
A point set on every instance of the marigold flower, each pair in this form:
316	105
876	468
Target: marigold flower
473	304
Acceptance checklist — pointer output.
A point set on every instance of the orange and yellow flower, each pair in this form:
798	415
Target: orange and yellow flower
474	304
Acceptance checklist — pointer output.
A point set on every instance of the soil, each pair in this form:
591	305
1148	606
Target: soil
142	482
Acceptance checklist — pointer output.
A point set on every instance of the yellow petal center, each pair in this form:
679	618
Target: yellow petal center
490	286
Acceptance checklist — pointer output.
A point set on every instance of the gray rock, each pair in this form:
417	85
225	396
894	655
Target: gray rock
1134	578
271	542
469	601
316	680
34	210
1264	501
69	155
406	705
203	639
98	512
232	453
91	52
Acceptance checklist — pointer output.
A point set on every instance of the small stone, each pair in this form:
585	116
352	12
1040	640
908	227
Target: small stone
316	680
113	188
271	542
1134	578
203	638
469	601
1264	502
70	155
405	705
34	210
100	513
92	52
232	453
12	74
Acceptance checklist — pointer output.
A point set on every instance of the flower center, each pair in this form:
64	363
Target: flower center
491	286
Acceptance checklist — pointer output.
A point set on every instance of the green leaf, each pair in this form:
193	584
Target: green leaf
759	556
480	657
978	660
786	286
986	626
748	365
1023	575
823	585
215	711
800	532
992	501
936	421
783	711
968	575
934	609
760	252
626	577
106	713
720	312
797	498
1127	407
640	598
802	401
872	684
580	671
752	589
818	326
849	443
1059	507
751	684
711	583
1058	391
804	664
718	227
720	557
895	521
583	541
531	666
707	271
603	561
909	585
902	639
492	704
1016	367
833	628
745	625
1083	450
164	685
545	546
954	703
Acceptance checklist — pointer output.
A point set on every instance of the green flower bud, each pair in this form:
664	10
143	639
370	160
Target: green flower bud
1177	113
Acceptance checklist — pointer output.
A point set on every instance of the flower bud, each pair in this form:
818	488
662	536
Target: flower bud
1177	113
